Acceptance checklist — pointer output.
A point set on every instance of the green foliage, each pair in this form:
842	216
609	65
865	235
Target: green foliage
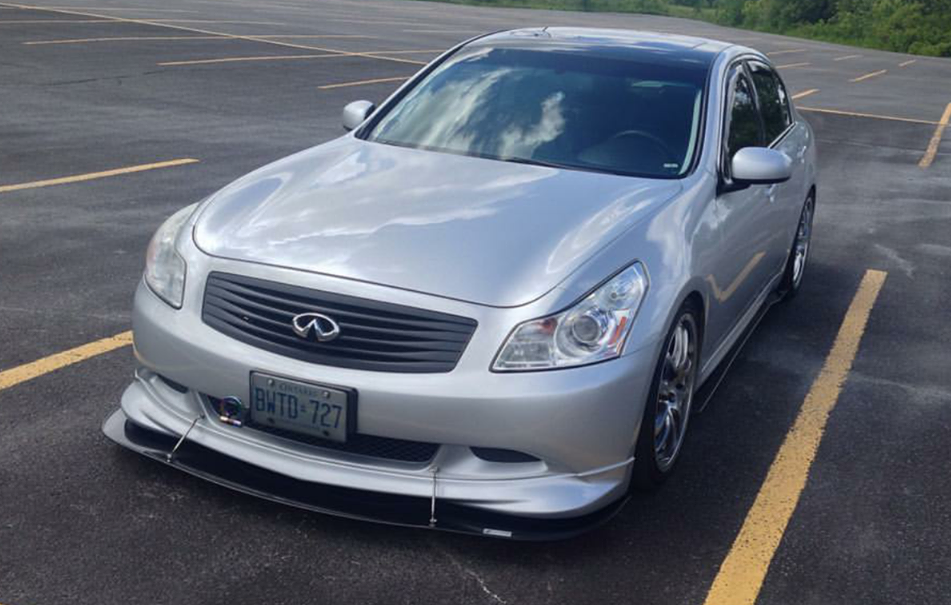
656	7
919	27
912	26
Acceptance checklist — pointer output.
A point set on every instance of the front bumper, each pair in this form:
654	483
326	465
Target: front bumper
407	511
580	424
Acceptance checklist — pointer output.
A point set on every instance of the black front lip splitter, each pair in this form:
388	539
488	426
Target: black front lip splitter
391	509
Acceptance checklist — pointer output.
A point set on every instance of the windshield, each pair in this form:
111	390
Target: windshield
555	106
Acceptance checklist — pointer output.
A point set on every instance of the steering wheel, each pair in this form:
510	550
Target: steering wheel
657	141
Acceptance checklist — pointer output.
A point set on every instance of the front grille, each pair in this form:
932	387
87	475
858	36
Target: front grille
374	335
364	445
387	448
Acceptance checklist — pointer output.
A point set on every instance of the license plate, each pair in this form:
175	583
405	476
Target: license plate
301	407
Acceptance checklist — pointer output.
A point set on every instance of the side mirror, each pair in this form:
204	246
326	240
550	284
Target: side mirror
760	166
355	113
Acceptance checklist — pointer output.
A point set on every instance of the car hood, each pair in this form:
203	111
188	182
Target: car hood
483	231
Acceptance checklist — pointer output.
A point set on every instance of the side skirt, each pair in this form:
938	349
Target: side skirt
713	380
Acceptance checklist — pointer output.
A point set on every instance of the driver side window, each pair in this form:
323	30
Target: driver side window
744	125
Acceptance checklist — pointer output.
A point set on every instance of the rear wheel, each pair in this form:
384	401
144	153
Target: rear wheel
667	412
799	255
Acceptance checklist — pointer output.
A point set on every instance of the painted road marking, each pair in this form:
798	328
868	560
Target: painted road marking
371	22
793	65
932	150
907	63
846	57
855	114
786	52
96	175
29	371
874	74
117	8
805	93
163	21
332	36
36	21
246	59
202	31
443	31
741	575
214	37
362	83
122	39
292	57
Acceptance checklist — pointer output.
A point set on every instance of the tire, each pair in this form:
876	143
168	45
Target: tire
667	411
799	253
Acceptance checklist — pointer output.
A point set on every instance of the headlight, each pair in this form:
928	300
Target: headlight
594	329
164	267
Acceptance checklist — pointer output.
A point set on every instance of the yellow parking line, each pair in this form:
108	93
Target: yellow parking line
786	52
126	8
932	150
846	57
793	65
29	371
247	59
362	82
333	36
214	21
202	31
157	38
369	21
907	63
404	52
122	39
871	75
37	21
856	114
805	93
96	175
443	31
742	573
293	57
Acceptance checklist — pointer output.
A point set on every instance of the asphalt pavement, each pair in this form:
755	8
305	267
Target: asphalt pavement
87	88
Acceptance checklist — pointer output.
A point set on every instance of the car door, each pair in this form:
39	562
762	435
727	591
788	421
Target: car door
743	266
784	200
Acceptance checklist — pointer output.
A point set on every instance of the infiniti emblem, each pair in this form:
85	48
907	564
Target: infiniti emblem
324	328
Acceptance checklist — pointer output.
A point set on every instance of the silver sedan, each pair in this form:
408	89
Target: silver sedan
492	305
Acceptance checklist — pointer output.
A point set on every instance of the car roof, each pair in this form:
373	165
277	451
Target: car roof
617	42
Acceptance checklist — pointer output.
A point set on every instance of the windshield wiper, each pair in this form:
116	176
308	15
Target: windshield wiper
544	163
548	164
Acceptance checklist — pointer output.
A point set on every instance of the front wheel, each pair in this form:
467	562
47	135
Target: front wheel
796	264
667	412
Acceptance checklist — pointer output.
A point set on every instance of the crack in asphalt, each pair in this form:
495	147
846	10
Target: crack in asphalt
467	572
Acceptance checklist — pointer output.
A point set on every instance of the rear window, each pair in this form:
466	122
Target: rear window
555	106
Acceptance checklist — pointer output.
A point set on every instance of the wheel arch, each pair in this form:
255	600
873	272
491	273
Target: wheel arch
696	297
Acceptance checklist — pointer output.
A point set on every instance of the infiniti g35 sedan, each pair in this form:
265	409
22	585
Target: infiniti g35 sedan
493	303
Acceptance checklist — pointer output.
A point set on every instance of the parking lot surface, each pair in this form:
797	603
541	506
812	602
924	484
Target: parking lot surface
115	114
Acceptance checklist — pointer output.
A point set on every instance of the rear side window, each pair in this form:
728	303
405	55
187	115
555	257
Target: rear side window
744	118
772	100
